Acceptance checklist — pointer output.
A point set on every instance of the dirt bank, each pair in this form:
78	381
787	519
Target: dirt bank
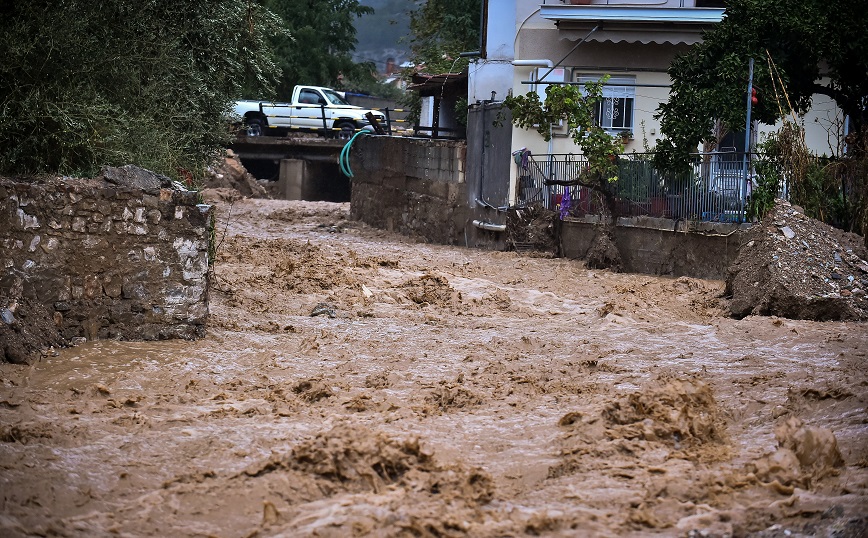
797	267
357	383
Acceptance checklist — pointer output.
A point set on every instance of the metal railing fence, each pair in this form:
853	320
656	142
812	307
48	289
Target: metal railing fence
715	188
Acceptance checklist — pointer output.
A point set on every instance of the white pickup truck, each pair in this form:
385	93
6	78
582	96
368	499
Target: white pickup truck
313	108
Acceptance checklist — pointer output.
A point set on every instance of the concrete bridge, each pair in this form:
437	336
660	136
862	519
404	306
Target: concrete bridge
304	167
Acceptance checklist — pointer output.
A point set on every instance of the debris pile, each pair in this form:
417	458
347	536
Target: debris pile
230	181
796	267
532	229
27	330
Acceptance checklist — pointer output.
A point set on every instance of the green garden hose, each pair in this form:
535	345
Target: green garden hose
344	159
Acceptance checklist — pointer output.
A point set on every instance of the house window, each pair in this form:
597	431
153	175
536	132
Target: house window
615	111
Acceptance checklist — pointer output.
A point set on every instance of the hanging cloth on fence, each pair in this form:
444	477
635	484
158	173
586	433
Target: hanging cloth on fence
522	157
565	203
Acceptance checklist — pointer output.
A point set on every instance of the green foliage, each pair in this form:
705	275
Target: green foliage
461	111
569	103
576	108
318	49
710	81
769	180
819	193
441	30
412	103
834	191
84	84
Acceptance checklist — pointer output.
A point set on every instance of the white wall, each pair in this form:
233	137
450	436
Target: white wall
493	73
823	123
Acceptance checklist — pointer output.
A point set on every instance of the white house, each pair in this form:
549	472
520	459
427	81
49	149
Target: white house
633	41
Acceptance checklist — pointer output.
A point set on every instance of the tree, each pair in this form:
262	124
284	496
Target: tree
83	83
441	30
816	47
318	48
577	108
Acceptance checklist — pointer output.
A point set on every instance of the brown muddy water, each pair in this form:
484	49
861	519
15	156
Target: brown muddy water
441	392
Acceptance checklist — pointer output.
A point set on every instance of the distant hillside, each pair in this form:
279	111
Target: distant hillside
383	35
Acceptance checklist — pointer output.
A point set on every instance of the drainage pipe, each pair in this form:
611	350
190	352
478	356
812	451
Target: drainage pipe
534	63
490	226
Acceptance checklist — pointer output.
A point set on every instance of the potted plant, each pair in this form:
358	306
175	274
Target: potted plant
626	135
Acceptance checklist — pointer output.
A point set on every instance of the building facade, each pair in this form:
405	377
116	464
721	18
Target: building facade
528	43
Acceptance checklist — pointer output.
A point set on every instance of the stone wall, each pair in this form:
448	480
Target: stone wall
661	246
411	186
109	261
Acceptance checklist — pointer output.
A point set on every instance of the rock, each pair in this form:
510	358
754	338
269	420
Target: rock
324	309
788	232
6	316
135	177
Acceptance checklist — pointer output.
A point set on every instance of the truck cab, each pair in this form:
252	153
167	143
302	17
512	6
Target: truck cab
313	108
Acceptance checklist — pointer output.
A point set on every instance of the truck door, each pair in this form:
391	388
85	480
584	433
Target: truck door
277	114
307	112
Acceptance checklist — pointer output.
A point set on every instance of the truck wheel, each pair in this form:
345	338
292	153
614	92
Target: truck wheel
347	130
255	126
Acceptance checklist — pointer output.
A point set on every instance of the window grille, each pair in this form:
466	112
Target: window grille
615	111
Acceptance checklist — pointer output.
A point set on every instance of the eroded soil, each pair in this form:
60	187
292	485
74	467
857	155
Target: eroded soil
440	391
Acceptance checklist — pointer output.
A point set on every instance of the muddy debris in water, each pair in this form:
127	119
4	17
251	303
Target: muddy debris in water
324	309
313	390
682	412
431	289
502	404
805	453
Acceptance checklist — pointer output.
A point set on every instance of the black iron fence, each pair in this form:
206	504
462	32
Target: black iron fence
714	189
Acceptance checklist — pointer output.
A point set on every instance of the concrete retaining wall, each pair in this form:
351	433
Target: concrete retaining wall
412	186
418	187
110	262
661	246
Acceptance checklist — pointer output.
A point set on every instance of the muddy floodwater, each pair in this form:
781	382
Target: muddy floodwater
357	383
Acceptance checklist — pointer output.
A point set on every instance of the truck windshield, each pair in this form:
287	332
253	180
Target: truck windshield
335	98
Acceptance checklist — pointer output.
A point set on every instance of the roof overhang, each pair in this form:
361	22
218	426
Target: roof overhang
632	24
426	85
